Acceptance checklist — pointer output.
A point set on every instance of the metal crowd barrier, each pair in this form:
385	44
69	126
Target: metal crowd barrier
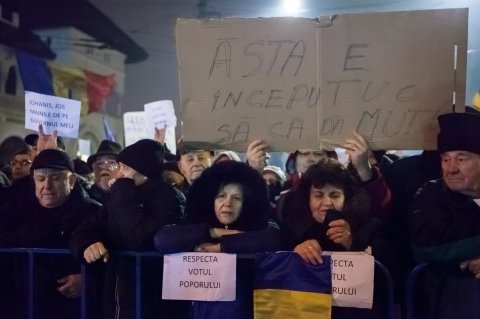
31	252
410	289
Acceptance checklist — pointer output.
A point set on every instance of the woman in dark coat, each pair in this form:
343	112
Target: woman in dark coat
227	211
328	211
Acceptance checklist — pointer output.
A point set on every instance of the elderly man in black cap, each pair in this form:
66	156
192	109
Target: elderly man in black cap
445	221
104	165
140	203
46	218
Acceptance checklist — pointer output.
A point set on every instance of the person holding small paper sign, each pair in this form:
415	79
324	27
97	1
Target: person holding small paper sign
328	211
227	211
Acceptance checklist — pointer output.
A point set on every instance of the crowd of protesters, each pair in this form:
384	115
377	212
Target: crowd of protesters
143	198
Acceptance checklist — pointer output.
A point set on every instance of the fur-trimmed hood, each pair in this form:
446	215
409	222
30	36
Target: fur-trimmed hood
201	197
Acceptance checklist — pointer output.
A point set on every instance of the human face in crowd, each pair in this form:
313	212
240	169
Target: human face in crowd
21	164
270	178
461	172
306	158
192	164
126	171
324	198
53	186
228	203
104	169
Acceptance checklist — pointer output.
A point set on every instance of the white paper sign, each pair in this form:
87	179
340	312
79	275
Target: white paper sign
136	127
84	146
161	114
352	279
53	113
199	276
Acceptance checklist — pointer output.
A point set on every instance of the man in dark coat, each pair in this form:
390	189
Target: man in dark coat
140	203
46	218
445	222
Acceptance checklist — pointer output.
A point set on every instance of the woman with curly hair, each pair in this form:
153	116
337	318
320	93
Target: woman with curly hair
227	211
329	211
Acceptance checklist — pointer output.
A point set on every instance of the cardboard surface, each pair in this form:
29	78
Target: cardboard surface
302	83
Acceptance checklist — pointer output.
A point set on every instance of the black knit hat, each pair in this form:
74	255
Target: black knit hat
459	132
106	148
52	158
144	156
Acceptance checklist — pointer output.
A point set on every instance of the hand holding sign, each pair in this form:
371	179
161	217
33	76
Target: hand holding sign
46	141
160	135
160	114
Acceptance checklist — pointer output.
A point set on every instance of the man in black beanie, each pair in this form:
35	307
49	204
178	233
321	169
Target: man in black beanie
140	203
445	221
46	217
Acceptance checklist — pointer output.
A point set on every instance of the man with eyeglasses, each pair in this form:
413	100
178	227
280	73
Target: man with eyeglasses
20	164
104	165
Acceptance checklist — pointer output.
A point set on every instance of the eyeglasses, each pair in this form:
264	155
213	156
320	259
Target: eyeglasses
21	163
110	165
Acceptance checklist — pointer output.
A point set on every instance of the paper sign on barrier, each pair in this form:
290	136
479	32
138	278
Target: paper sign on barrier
352	279
199	276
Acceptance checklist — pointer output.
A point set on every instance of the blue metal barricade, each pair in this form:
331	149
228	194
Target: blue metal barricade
31	252
390	289
412	281
139	256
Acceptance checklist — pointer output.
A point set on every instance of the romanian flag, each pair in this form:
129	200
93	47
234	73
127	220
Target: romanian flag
35	74
288	287
99	87
66	81
70	82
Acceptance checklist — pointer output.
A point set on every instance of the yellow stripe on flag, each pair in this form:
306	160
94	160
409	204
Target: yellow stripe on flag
67	80
283	304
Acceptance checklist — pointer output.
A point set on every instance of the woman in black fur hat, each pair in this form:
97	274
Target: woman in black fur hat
227	211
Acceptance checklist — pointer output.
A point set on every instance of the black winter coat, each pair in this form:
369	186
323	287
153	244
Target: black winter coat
25	223
133	214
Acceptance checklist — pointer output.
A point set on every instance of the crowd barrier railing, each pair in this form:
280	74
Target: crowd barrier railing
139	256
31	253
411	284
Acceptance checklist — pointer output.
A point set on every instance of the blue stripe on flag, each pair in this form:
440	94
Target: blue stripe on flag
286	270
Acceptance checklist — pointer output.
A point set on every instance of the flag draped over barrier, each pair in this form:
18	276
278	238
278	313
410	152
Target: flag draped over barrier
287	287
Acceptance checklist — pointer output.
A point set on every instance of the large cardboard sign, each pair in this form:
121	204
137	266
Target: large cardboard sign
302	83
